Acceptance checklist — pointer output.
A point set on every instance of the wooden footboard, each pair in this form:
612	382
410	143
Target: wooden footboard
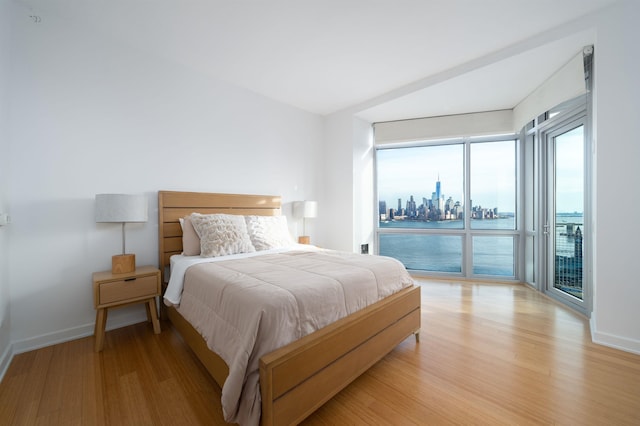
297	379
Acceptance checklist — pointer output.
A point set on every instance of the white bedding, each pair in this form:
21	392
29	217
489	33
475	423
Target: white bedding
248	305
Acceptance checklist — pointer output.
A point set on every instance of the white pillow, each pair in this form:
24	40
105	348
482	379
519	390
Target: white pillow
268	232
221	234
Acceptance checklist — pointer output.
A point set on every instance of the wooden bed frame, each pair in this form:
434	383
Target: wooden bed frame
297	379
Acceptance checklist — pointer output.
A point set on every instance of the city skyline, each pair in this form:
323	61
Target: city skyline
403	172
438	207
413	171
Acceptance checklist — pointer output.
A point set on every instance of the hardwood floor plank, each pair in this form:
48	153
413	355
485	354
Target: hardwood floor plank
495	354
63	383
10	394
34	382
135	409
92	385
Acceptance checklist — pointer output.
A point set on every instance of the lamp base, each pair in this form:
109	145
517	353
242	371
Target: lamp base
304	239
123	263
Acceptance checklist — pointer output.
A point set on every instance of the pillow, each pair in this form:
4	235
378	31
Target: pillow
190	239
221	234
268	232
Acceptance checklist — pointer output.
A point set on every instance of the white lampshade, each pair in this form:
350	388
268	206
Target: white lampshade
305	209
121	208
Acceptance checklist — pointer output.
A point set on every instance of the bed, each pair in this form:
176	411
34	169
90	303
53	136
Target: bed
297	378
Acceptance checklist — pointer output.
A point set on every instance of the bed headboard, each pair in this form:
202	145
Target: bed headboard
173	205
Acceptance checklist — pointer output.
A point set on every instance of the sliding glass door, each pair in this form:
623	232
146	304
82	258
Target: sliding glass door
564	213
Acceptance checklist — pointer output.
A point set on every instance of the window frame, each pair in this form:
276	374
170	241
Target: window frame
466	233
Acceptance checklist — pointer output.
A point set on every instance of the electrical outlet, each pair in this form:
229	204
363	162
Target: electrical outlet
4	219
364	248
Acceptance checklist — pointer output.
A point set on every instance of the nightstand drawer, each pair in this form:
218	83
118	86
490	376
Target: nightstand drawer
130	288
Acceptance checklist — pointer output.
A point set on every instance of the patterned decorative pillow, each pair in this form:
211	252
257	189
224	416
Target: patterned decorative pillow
267	232
221	234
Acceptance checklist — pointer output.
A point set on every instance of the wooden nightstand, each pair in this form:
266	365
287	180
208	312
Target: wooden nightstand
117	290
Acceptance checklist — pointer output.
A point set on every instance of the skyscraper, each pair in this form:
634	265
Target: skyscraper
382	207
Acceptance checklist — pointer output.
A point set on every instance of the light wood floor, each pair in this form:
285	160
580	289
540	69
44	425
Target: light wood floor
489	354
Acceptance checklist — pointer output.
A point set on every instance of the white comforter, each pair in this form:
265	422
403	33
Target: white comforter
251	305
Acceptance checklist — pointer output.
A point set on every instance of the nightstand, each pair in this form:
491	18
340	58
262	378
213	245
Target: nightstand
117	290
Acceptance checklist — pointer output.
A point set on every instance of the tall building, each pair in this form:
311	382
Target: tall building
382	207
448	205
411	210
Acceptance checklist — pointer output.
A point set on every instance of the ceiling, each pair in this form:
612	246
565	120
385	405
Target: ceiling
380	59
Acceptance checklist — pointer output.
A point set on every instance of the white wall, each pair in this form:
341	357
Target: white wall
364	206
348	184
5	25
91	115
617	71
336	204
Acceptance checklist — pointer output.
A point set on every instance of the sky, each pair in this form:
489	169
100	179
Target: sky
569	173
414	171
403	172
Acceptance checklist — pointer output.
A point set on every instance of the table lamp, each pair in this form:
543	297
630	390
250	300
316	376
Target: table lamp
304	210
121	208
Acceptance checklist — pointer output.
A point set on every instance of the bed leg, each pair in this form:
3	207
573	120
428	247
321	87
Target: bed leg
417	335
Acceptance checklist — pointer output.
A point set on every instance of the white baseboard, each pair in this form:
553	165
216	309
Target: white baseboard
53	338
5	360
61	336
613	341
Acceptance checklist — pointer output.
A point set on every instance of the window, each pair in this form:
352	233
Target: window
429	253
449	207
494	256
493	185
421	187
